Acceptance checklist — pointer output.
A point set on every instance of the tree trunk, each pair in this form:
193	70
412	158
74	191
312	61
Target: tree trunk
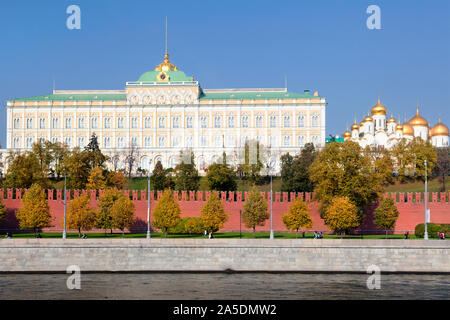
386	234
79	232
254	228
123	233
296	234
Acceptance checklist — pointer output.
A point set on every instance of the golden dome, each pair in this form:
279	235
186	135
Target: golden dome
440	129
368	118
355	126
379	109
418	120
399	127
166	65
347	134
408	130
392	119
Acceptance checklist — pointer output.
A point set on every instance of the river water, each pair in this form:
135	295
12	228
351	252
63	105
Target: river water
236	286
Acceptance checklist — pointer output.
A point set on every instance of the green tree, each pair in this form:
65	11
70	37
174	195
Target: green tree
297	216
255	211
186	175
122	213
80	215
295	174
42	152
93	156
386	215
252	165
167	212
342	215
160	178
221	177
213	213
442	169
344	170
34	213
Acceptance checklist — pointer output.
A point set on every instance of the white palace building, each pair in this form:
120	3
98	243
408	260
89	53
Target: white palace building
165	112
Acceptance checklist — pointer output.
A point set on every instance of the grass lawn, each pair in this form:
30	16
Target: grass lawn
434	185
219	235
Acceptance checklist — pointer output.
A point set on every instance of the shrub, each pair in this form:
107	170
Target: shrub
433	229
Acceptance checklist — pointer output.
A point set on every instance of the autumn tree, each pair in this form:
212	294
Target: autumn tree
122	213
116	180
104	218
23	171
96	180
342	215
34	213
221	177
344	170
213	213
80	215
194	225
77	169
409	159
255	210
297	216
92	154
186	174
252	160
167	212
386	215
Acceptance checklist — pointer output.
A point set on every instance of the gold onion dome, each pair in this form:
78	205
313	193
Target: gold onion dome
355	126
439	130
408	130
418	120
379	109
399	127
392	119
347	134
368	118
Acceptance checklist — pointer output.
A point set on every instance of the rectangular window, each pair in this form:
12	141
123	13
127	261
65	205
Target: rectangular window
175	122
148	122
120	123
107	123
189	122
81	123
134	123
68	123
230	121
41	123
29	123
203	122
203	141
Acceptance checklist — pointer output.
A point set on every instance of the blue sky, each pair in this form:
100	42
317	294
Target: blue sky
319	45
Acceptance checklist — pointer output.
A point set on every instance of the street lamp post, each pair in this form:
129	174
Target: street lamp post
64	236
240	224
148	210
425	235
271	202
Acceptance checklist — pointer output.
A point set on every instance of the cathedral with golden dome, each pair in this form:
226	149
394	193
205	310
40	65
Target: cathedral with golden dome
377	131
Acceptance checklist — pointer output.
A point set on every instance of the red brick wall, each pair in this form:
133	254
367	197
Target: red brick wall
411	210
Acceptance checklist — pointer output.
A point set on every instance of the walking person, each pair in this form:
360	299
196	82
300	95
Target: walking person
205	235
210	234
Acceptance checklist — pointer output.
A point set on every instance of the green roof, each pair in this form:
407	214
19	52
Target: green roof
77	97
173	76
256	95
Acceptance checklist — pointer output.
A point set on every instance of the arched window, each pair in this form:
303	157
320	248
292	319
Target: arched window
315	120
68	142
176	141
107	142
148	141
68	123
301	121
16	123
120	122
81	123
161	141
203	141
230	121
189	142
94	123
273	121
287	121
217	121
29	123
42	123
287	141
176	122
107	121
148	122
204	121
134	141
245	121
162	122
120	142
16	142
189	122
301	140
259	121
81	142
134	122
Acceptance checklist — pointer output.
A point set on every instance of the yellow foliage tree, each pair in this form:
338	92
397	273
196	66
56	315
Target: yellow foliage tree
297	216
117	180
106	201
213	214
34	213
167	212
80	215
342	215
96	180
3	211
122	213
255	210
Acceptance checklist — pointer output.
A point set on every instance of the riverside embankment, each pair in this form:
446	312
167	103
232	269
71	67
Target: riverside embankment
215	255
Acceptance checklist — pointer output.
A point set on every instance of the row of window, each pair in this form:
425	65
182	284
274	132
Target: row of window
134	123
218	141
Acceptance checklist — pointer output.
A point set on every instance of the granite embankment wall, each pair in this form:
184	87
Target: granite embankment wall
182	255
410	205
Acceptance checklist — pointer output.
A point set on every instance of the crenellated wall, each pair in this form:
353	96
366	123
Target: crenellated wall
410	205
